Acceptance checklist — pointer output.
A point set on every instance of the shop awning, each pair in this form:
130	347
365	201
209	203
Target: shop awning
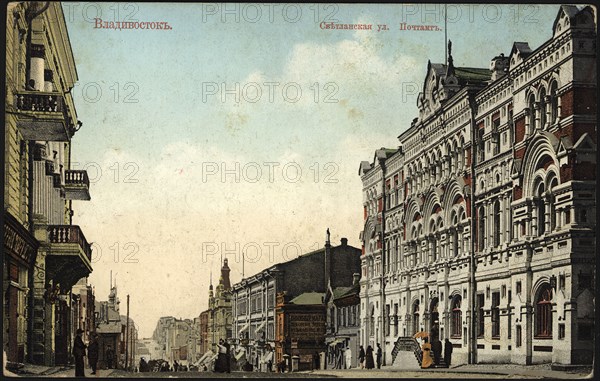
244	327
261	327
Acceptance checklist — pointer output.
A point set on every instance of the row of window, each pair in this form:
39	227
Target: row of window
344	316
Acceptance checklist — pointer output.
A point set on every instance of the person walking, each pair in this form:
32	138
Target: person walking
379	354
227	356
79	354
361	357
436	348
426	362
447	352
110	357
93	352
369	363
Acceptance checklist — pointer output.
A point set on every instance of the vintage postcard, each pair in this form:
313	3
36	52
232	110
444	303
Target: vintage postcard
299	190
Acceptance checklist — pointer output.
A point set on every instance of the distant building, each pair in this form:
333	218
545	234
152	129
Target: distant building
254	297
109	329
219	309
343	325
204	332
300	331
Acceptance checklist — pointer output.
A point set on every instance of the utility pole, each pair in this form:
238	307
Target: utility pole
127	336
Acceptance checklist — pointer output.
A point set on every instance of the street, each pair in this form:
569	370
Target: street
493	371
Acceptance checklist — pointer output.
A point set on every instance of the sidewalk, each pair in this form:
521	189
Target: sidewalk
30	370
463	371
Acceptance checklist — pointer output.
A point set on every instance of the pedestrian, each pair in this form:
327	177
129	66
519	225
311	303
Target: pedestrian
379	354
317	361
348	358
110	356
436	348
447	352
227	356
270	365
176	366
93	352
361	357
426	362
369	363
220	363
79	353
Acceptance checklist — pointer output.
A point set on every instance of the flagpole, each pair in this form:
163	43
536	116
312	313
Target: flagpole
446	33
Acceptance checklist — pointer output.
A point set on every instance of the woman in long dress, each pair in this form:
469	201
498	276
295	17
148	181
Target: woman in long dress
370	363
220	364
427	361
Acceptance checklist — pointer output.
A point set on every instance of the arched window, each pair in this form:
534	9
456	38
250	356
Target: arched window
481	228
456	323
553	183
415	317
543	108
497	223
540	208
455	243
531	105
372	322
553	103
543	313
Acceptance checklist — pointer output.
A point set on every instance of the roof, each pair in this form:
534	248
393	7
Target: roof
470	75
309	298
341	292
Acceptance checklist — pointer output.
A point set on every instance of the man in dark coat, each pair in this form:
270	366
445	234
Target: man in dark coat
436	348
379	355
447	352
369	363
93	352
79	354
361	357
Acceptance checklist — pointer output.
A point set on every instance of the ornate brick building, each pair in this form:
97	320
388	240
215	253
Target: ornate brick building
480	226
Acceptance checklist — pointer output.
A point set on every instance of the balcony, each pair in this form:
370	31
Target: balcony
70	255
77	185
43	116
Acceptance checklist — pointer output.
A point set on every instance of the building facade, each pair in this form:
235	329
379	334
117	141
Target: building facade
254	297
480	225
342	332
300	330
47	254
219	307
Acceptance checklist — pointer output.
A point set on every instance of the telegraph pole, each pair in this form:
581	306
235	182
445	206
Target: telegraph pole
127	336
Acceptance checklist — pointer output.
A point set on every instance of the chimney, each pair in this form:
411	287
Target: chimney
344	241
355	278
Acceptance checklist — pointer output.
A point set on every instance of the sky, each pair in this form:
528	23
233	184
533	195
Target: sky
241	129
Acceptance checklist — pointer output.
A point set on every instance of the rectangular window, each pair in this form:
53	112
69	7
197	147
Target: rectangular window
518	287
387	320
395	319
561	331
496	315
480	316
518	338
